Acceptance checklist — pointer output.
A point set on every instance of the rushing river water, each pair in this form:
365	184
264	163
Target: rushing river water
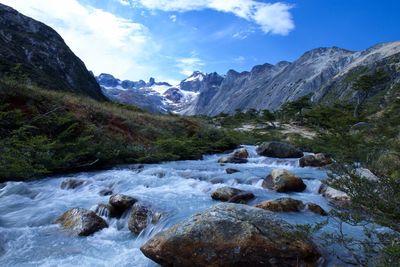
28	236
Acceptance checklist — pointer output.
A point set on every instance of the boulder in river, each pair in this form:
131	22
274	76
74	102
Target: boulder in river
241	153
316	209
231	194
278	150
282	180
231	170
231	159
140	218
81	222
71	183
317	160
231	235
122	202
107	210
334	196
105	192
284	204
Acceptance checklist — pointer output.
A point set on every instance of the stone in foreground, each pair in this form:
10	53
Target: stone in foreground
81	222
231	194
283	181
285	204
231	235
278	150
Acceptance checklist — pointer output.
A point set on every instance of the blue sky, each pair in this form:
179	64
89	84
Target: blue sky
166	39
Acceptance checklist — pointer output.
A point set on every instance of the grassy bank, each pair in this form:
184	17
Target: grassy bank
45	132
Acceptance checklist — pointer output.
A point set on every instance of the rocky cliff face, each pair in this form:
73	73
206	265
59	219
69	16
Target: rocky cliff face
34	53
320	72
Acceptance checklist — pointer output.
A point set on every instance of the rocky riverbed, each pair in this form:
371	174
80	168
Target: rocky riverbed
162	196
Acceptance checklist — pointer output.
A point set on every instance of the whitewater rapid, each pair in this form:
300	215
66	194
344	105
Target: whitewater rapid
28	236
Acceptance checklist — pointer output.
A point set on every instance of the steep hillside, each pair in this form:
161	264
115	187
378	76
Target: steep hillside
34	53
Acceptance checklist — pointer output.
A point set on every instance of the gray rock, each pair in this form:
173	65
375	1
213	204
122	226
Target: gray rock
105	192
317	160
81	222
282	180
231	194
232	159
231	170
71	183
141	216
231	235
336	197
278	150
122	202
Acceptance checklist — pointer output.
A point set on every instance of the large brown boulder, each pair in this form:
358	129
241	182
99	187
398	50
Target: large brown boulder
278	150
285	204
231	235
81	222
231	194
282	180
317	160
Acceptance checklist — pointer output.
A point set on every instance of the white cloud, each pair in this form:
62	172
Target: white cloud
172	18
272	18
124	2
104	41
188	65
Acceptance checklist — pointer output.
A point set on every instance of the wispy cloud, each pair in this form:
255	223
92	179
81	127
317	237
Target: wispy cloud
172	18
188	65
104	41
274	18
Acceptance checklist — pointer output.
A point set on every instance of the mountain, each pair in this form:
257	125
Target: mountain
34	53
324	73
159	97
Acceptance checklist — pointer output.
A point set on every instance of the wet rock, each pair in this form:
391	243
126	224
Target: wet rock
105	192
334	196
278	150
71	183
316	209
231	194
231	235
317	160
107	210
217	181
282	180
241	153
231	170
141	217
282	205
232	159
81	222
122	202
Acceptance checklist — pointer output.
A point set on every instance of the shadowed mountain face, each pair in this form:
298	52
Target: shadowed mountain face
34	53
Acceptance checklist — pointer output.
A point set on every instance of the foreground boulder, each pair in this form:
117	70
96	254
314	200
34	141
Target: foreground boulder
336	197
81	222
317	160
231	235
71	183
278	150
282	180
285	204
231	194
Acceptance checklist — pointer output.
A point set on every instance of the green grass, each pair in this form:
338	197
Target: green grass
46	132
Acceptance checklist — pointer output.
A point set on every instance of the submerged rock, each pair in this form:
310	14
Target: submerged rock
334	196
317	160
81	222
71	183
231	194
105	192
241	153
278	150
231	170
122	202
316	209
141	216
282	180
231	235
282	205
